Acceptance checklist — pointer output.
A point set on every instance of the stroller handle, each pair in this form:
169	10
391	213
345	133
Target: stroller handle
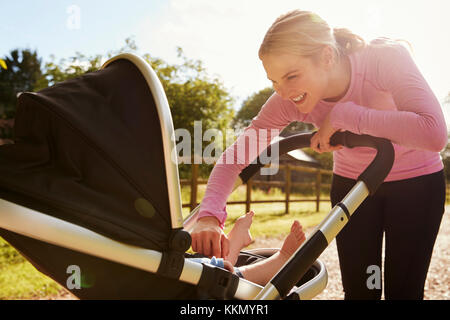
368	182
305	256
372	176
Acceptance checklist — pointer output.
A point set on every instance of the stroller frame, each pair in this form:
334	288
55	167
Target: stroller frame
36	225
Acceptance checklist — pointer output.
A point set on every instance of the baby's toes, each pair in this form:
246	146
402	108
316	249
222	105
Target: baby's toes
298	231
295	226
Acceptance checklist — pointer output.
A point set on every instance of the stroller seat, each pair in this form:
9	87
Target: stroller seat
89	182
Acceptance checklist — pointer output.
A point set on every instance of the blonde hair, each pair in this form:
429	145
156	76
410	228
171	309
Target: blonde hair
304	33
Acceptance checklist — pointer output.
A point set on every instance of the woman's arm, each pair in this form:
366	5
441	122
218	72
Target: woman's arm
418	123
273	117
207	236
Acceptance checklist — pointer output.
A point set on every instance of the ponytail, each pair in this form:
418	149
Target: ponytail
347	41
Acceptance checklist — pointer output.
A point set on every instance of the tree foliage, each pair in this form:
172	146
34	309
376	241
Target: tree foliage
191	93
70	68
194	96
22	73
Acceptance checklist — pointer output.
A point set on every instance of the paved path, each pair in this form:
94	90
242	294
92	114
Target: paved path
437	285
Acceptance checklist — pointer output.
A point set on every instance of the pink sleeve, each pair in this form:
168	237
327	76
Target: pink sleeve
418	123
272	118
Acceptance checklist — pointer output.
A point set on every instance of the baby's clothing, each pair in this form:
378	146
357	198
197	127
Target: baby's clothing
217	262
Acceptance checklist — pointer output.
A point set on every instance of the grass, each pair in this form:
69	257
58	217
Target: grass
20	280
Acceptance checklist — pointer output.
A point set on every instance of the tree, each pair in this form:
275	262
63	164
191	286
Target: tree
192	94
22	73
80	64
70	68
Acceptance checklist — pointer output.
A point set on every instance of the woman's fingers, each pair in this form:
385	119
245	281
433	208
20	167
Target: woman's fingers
216	245
315	143
320	145
199	246
206	244
225	245
194	243
206	237
211	244
335	148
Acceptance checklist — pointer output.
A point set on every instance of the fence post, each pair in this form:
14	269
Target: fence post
248	199
288	186
194	176
318	183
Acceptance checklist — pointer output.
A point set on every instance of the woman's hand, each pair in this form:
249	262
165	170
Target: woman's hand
209	239
320	142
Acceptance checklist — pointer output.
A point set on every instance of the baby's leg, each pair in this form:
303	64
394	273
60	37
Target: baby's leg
261	272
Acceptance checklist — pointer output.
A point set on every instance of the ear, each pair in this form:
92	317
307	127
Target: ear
327	57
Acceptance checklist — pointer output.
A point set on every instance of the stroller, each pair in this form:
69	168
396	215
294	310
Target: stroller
89	182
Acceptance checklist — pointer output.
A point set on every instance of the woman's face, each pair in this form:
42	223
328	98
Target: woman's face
302	80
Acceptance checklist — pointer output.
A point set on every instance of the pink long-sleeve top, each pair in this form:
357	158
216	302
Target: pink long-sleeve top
387	97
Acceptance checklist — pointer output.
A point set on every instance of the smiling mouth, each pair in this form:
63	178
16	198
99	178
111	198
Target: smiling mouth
300	98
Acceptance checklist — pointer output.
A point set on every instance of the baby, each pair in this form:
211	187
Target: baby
262	271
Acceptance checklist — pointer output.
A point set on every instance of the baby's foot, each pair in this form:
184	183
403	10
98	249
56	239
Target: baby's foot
240	237
294	239
240	234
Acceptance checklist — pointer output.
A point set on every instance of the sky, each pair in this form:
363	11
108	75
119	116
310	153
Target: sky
224	34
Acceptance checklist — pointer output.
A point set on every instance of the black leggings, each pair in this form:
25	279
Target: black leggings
409	213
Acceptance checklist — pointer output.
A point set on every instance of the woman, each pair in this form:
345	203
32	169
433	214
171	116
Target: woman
334	80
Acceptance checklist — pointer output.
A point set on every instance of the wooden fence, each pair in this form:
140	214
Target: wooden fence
447	195
317	185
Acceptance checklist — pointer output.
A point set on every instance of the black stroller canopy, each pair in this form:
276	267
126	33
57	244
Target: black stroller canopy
90	151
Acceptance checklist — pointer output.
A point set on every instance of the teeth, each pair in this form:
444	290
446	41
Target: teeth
300	97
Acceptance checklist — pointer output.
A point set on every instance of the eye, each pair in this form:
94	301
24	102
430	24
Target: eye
292	77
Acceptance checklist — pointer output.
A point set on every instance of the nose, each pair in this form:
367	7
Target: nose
281	91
